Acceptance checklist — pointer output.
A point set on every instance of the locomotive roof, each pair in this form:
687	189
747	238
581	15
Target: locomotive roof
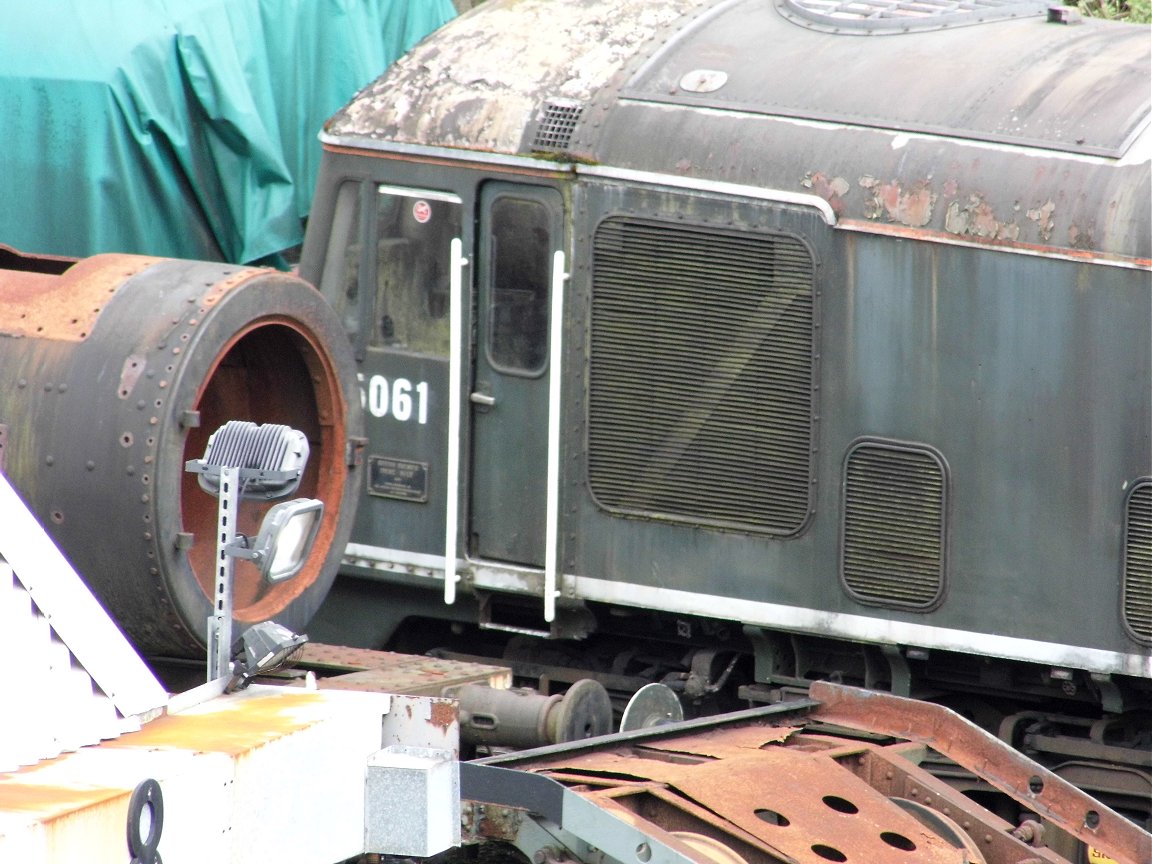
892	110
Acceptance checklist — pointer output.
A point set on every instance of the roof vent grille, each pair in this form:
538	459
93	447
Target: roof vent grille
555	123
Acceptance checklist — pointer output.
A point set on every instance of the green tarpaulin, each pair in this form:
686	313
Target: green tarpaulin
184	128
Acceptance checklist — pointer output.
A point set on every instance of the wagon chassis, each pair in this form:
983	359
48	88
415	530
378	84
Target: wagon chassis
837	777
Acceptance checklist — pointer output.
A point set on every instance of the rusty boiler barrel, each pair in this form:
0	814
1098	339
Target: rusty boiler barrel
114	373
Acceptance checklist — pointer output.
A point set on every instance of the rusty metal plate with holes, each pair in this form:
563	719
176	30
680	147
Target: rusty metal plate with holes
387	672
797	805
66	306
839	782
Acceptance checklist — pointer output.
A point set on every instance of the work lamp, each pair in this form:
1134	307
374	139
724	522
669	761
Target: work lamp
267	647
245	461
286	536
271	458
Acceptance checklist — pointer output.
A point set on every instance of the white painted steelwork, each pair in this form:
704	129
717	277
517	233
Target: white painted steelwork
717	187
555	370
74	677
797	619
220	623
268	774
455	370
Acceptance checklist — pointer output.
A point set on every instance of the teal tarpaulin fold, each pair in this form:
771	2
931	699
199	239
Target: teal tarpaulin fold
185	128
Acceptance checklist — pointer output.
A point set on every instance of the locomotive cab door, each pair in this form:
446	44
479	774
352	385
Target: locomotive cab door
519	275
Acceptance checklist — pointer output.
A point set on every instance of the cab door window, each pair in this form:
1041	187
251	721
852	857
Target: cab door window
520	260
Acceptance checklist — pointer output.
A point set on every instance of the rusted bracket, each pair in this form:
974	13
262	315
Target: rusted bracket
994	761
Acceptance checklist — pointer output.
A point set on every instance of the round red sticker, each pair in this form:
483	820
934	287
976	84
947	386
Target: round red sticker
421	211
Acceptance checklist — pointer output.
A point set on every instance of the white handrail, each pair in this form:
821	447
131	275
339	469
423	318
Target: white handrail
455	370
552	526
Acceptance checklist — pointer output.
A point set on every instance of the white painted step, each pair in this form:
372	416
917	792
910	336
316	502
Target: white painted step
70	677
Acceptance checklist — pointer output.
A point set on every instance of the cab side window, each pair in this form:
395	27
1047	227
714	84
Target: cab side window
414	232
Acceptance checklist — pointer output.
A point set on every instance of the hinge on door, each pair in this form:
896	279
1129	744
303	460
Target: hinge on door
354	451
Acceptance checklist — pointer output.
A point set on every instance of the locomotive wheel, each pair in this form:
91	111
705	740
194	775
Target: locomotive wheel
943	827
709	848
126	366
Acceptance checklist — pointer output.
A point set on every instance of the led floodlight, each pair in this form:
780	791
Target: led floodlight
244	460
267	647
286	537
271	458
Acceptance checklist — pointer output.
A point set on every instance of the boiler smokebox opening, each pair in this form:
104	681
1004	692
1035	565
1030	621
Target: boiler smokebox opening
272	372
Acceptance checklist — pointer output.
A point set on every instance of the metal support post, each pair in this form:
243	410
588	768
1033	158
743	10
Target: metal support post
220	624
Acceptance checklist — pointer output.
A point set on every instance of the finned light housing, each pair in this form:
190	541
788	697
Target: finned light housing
271	458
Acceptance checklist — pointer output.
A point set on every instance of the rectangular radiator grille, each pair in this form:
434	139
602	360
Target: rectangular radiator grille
1138	561
701	375
892	543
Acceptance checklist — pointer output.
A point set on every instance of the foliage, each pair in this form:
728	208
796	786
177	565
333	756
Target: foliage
1135	11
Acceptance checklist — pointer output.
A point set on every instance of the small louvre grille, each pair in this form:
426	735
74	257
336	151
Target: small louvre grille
893	534
555	125
700	391
1138	561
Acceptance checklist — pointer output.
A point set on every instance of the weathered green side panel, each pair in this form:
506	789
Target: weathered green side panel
1026	378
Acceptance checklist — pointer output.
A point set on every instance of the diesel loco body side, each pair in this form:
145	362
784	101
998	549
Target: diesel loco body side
831	328
732	344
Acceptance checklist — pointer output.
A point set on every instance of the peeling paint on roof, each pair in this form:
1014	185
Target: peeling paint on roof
1013	133
478	83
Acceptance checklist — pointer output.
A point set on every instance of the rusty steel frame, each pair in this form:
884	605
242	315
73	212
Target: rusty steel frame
64	307
813	781
991	759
